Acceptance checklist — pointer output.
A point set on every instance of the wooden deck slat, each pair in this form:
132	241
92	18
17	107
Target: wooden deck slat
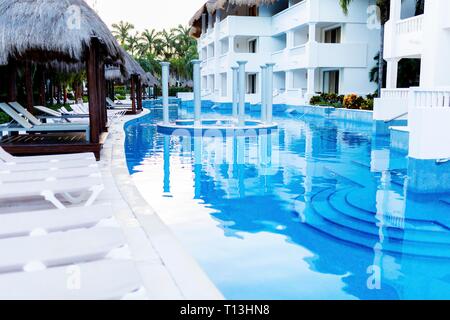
43	144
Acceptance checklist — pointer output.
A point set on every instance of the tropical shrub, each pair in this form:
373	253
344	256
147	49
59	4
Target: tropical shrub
327	99
4	118
351	101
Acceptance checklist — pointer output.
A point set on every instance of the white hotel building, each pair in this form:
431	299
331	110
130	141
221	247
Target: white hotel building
316	48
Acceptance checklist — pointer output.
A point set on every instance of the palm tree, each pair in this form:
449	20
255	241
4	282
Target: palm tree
121	31
150	47
383	5
132	43
149	41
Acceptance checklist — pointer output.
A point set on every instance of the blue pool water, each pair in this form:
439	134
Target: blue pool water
315	210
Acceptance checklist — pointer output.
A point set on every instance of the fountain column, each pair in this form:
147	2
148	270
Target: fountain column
263	93
269	93
241	112
235	91
165	91
197	93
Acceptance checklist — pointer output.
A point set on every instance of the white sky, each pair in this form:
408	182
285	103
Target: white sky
145	14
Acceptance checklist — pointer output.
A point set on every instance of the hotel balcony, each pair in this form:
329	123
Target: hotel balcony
404	38
322	55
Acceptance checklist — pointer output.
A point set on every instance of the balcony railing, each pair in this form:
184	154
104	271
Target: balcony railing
431	98
410	25
395	93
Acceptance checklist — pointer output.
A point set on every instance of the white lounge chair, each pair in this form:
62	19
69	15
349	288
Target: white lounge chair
28	123
26	223
113	114
87	189
59	248
118	104
6	157
13	174
99	280
56	115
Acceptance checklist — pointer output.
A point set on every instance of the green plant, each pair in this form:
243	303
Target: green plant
327	99
120	90
4	118
120	97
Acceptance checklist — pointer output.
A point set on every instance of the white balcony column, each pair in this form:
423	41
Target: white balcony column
242	84
392	73
235	89
231	44
395	10
269	89
218	15
311	90
203	23
289	39
210	21
263	93
312	32
197	92
165	90
289	79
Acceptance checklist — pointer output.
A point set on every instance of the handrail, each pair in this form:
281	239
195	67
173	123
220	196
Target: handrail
397	117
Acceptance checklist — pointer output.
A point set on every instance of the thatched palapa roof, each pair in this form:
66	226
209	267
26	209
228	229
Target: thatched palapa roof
123	71
45	30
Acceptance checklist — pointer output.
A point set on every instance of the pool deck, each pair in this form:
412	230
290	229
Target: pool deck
161	266
168	271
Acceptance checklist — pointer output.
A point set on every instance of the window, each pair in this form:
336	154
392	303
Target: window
251	86
333	35
331	81
252	46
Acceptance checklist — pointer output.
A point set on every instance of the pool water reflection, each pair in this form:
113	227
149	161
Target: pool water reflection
316	210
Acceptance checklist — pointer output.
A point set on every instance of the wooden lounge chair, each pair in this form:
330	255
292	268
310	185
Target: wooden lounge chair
31	124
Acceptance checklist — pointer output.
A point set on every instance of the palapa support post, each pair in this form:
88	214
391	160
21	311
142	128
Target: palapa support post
133	95
29	87
40	79
102	96
92	73
12	81
139	94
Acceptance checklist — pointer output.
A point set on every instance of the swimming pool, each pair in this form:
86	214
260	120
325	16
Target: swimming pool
316	210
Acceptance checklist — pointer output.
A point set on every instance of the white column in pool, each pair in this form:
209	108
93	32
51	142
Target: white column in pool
235	91
269	89
165	91
242	82
197	93
263	93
